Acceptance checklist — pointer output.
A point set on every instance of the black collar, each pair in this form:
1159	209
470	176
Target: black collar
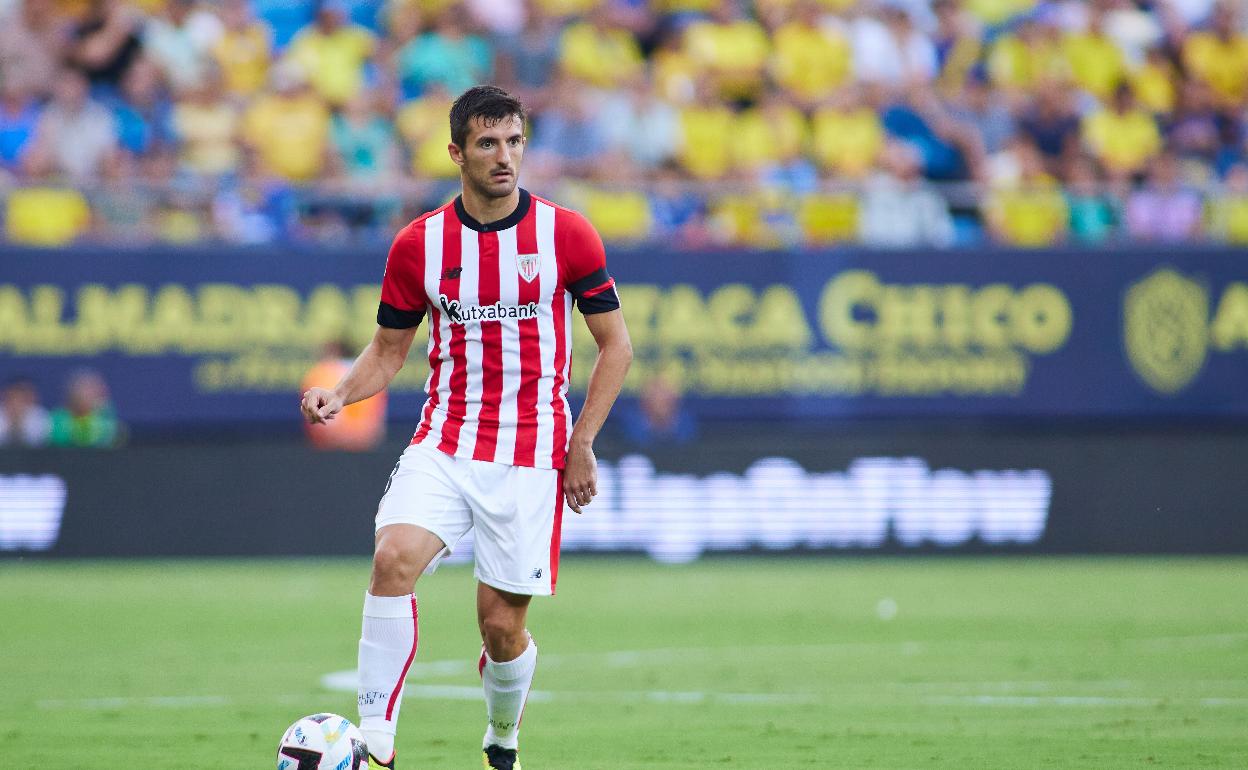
511	220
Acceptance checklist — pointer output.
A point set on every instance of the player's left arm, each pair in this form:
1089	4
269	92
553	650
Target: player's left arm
584	270
615	353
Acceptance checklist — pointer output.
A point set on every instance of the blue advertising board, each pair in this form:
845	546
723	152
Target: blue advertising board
193	336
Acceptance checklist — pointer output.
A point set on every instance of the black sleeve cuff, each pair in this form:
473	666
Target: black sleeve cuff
602	302
589	282
391	317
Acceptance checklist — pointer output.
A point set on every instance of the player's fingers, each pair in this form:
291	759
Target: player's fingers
572	502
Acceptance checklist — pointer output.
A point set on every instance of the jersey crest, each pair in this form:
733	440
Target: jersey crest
529	265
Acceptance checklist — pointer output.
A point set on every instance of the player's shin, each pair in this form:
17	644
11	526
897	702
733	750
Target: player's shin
388	642
506	688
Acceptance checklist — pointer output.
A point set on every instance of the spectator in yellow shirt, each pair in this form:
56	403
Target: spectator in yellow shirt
1123	137
807	59
1021	61
1096	63
730	48
244	49
847	135
598	52
46	216
1220	56
289	128
706	135
1153	83
1031	213
1228	210
207	128
765	134
333	53
422	125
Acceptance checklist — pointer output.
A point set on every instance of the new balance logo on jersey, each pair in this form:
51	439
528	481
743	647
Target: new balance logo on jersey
452	273
466	314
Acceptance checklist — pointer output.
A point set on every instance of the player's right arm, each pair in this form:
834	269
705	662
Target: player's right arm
400	312
371	372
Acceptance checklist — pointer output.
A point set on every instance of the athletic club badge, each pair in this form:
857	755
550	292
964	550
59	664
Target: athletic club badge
529	265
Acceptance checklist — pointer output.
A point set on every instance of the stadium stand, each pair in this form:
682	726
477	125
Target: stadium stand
691	122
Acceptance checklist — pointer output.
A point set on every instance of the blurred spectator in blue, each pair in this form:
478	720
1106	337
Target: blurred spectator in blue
987	111
285	18
1196	128
658	418
565	131
19	119
23	422
1093	212
899	209
88	418
948	149
106	42
179	40
678	213
632	120
363	141
448	55
528	58
1052	124
33	39
77	136
1164	210
144	114
254	208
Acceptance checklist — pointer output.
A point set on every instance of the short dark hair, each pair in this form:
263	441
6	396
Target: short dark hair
490	103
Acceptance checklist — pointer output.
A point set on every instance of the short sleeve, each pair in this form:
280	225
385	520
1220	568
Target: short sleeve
402	291
583	264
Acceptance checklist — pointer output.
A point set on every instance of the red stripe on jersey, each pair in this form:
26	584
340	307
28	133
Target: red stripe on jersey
398	686
600	289
530	353
435	372
488	291
556	534
456	403
559	446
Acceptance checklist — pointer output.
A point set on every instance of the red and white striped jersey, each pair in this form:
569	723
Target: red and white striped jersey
499	296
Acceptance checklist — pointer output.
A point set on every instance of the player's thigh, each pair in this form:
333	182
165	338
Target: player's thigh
405	548
517	513
422	507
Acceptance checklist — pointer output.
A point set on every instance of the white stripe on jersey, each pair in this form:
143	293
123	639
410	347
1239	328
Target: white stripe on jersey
549	277
469	281
433	282
508	295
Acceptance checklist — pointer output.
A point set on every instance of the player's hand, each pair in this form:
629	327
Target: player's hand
320	405
580	476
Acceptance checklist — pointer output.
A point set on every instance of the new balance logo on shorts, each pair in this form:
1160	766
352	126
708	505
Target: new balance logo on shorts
536	574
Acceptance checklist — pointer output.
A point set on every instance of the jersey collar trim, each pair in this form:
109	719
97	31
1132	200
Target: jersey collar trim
509	221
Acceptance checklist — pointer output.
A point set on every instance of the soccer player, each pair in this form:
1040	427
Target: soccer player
497	270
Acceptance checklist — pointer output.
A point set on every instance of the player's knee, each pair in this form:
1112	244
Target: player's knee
393	564
504	635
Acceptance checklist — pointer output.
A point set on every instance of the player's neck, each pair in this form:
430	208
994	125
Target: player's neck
485	209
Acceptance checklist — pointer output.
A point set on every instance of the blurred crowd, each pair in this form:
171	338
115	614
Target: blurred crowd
894	123
86	419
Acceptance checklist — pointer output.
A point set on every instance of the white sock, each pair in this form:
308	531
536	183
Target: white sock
506	688
388	641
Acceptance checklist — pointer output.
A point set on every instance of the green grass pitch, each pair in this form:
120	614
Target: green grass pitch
750	663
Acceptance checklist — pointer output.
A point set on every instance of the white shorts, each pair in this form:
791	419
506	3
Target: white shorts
516	513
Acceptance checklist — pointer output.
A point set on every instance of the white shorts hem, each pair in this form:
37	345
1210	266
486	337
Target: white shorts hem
512	588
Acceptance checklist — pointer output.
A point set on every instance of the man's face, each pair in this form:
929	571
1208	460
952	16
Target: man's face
490	157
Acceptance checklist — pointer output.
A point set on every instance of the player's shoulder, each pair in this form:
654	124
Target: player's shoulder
569	222
413	232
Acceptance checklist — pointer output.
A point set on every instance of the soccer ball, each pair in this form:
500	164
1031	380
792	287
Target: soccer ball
322	742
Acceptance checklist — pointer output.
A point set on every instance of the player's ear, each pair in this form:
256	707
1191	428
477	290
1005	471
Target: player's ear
457	155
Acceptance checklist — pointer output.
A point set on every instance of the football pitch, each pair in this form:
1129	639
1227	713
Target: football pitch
750	663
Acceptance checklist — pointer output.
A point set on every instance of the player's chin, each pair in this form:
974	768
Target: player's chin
500	185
